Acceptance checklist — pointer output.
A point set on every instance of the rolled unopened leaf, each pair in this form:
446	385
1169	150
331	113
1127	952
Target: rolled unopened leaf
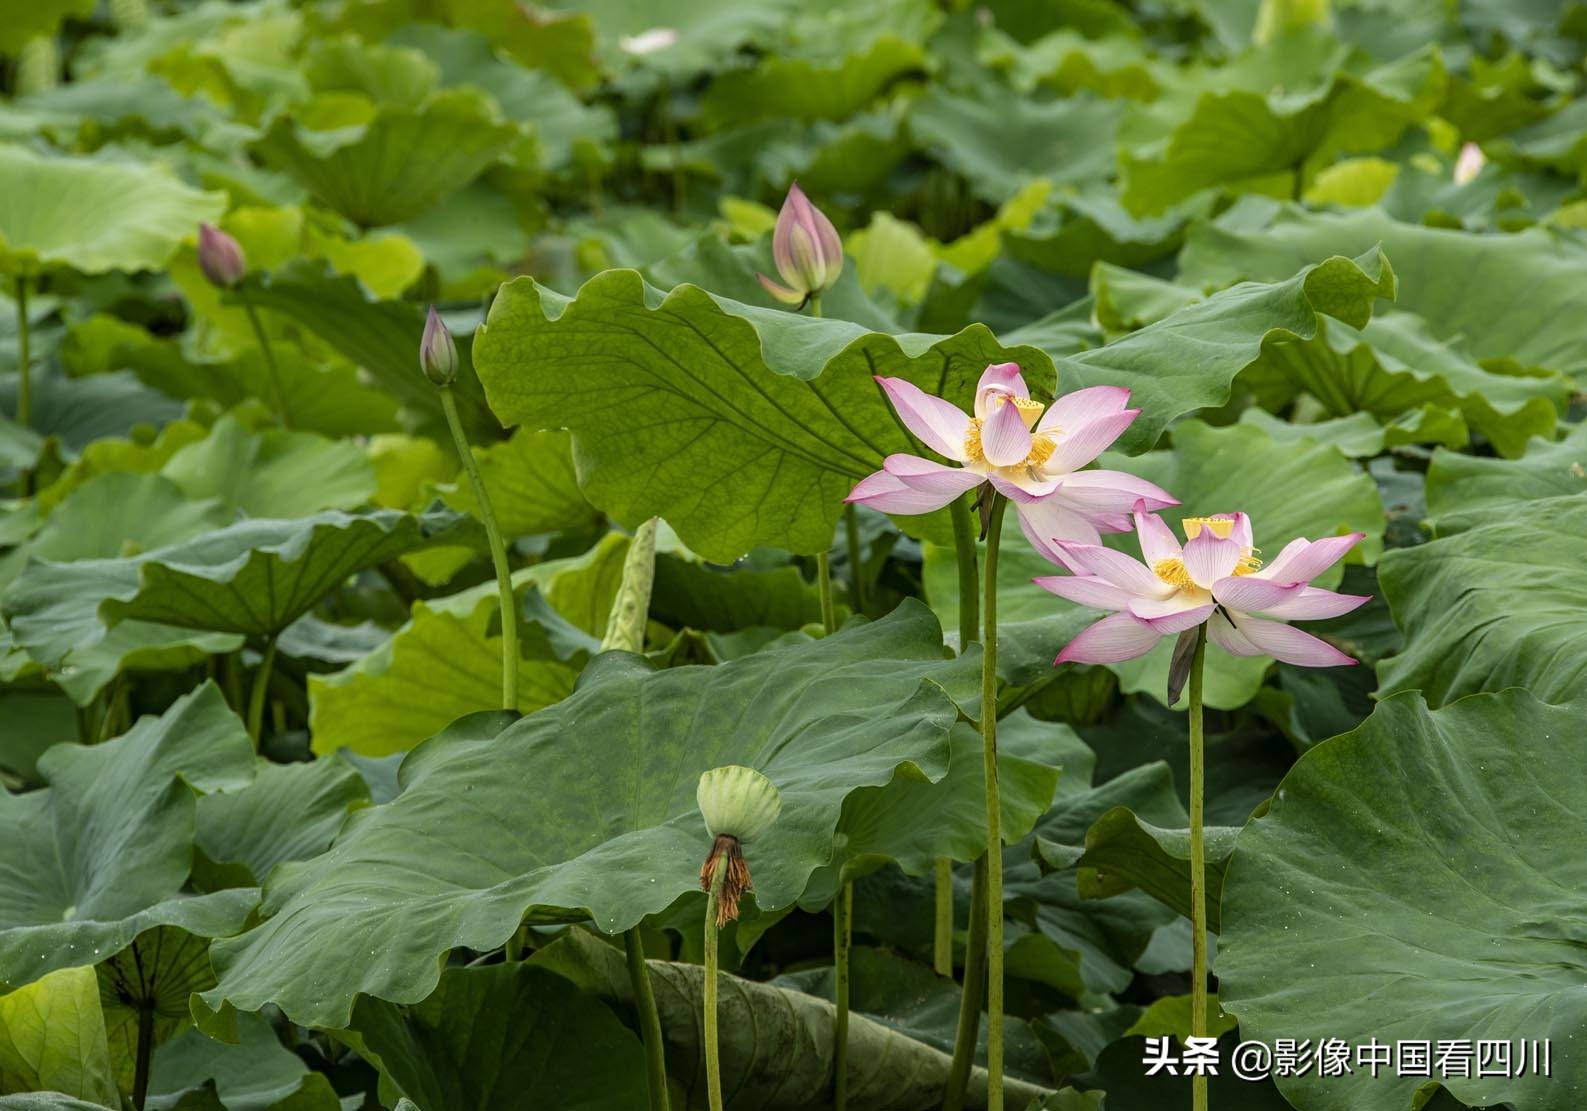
220	257
437	352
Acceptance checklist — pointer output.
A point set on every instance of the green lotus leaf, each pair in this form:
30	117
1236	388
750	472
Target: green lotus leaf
557	1046
1122	850
531	484
52	1038
1459	806
796	712
93	215
380	337
157	973
76	412
1188	359
1360	435
1266	141
443	664
776	1043
911	823
1001	143
395	162
1300	488
1506	298
742	426
288	812
103	853
42	19
274	473
560	42
257	1072
254	577
796	88
1461	484
1492	606
1394	367
913	1000
35	720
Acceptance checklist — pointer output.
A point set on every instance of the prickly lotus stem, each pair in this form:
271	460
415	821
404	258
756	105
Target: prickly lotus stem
739	805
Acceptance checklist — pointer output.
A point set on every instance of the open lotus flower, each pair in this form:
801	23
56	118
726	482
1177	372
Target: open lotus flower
1214	577
1030	453
806	248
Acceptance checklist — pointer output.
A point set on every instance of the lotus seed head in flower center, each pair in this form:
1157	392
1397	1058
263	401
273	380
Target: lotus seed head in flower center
1042	444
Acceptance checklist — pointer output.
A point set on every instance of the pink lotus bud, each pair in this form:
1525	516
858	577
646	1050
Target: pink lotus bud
806	249
1469	164
437	352
220	257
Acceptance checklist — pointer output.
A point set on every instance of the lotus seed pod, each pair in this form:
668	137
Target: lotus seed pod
220	257
437	352
738	802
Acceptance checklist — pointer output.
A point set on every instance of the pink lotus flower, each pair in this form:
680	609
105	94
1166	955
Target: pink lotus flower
806	248
1215	578
220	257
1030	453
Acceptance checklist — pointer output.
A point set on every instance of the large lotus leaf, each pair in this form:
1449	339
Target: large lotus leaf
396	162
79	411
1439	832
24	24
1394	367
1001	143
1124	850
381	337
93	215
257	1073
912	823
443	664
1507	297
530	482
1264	141
288	812
1458	484
1299	488
797	88
52	1038
741	426
274	473
504	1035
613	834
1188	359
159	972
254	577
102	854
1499	604
776	1043
915	1001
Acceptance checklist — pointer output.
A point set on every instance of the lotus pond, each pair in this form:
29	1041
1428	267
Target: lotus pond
620	556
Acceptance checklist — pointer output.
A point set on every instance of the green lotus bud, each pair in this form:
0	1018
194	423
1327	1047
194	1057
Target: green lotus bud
738	802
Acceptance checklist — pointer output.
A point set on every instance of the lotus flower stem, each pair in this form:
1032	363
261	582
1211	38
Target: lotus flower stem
994	821
713	1064
261	684
649	1019
842	938
276	393
969	1029
851	531
498	553
24	359
1198	870
144	1053
829	615
969	616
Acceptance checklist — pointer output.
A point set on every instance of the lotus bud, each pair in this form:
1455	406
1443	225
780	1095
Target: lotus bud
437	352
1469	164
739	805
220	257
806	248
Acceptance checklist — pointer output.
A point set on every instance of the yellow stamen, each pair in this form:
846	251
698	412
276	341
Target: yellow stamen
1220	527
1041	449
972	441
1248	564
1173	572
